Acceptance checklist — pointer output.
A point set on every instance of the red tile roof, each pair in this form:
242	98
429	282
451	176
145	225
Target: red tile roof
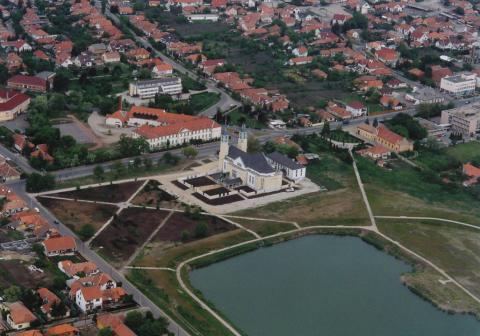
151	132
60	244
10	99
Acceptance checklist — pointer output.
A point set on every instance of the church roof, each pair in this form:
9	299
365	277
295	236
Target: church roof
254	161
284	160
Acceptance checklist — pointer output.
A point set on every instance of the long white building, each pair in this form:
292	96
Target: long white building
459	85
145	89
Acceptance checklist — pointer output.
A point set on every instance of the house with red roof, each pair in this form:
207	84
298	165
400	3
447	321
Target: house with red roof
49	301
383	136
30	83
356	108
375	152
300	60
19	317
115	323
65	329
59	246
12	103
387	56
472	172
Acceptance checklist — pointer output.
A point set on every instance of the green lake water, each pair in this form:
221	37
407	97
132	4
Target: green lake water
323	285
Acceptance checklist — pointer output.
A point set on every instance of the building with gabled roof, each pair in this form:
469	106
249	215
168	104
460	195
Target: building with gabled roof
385	137
19	317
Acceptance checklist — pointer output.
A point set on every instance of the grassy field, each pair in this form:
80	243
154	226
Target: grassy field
423	185
204	100
465	152
264	228
342	205
454	249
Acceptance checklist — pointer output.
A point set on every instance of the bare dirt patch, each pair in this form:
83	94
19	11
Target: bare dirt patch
182	227
15	272
113	193
151	195
118	241
76	214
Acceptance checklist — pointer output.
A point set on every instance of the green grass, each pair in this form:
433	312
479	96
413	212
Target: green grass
264	228
322	172
465	152
204	100
424	185
239	118
453	248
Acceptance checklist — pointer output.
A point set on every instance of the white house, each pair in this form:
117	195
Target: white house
19	317
89	298
356	108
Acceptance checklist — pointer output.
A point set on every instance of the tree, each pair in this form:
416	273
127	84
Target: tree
99	173
189	152
375	123
86	231
201	230
105	332
37	182
254	145
326	129
12	293
118	169
131	147
59	309
169	159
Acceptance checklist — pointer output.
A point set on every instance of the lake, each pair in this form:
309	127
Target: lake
323	285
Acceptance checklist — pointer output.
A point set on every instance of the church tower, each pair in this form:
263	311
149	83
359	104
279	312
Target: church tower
243	139
223	149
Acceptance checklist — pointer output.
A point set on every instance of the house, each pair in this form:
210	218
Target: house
19	317
115	323
161	69
387	56
72	269
49	300
390	102
383	136
111	57
33	332
376	152
31	83
41	152
59	246
12	103
439	72
62	330
356	108
472	172
300	60
95	297
300	51
14	62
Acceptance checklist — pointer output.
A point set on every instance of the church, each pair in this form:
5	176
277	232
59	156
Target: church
261	172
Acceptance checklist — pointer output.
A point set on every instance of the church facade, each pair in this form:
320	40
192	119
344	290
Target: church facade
255	170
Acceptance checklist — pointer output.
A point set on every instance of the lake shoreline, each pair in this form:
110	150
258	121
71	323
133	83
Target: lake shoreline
366	236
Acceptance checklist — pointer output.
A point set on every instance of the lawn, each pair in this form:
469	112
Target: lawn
119	240
113	193
454	249
329	172
465	152
76	214
264	228
204	100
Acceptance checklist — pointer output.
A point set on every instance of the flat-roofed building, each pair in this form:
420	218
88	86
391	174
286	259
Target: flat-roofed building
459	85
463	120
150	88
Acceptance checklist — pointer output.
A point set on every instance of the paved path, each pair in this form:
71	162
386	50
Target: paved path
150	268
364	194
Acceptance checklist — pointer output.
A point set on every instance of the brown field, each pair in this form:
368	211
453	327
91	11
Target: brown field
118	241
15	272
113	193
76	214
152	196
180	222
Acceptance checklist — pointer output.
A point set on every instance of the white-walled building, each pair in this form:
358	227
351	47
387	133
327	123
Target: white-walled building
291	169
463	120
459	85
145	89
